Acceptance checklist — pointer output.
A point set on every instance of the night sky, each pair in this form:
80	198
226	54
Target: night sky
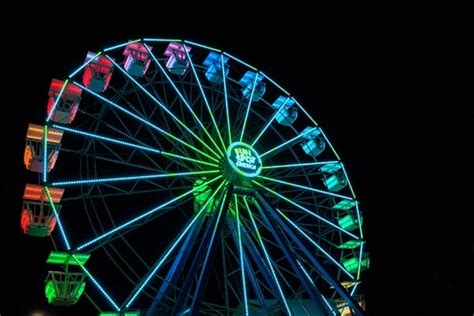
350	77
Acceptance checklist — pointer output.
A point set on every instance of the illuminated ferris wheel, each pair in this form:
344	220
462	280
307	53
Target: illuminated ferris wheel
176	179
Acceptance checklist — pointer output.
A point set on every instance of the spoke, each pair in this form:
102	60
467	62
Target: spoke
163	71
248	107
297	165
226	99
123	143
58	220
170	250
99	287
315	244
312	282
306	188
267	257
288	142
177	120
130	178
148	123
58	97
269	122
205	98
189	159
84	65
136	219
45	153
306	210
241	257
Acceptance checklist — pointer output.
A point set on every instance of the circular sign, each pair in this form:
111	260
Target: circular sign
244	160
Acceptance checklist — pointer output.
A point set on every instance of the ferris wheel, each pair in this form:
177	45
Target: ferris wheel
176	179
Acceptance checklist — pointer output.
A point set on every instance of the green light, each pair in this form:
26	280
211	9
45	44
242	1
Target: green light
50	291
135	313
351	244
348	223
244	160
345	205
201	194
331	167
77	292
352	264
63	258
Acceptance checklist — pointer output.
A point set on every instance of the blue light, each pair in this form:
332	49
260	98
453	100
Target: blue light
99	287
57	100
161	40
160	104
248	106
269	122
108	139
143	177
148	123
268	258
56	215
241	256
205	99
306	210
226	98
360	260
354	289
128	223
315	244
240	61
307	188
121	45
305	272
330	307
163	259
84	65
165	73
45	153
307	164
289	141
202	46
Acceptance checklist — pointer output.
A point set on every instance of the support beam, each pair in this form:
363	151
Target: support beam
290	255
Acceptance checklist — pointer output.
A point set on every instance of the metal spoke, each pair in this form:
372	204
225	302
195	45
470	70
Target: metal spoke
315	244
196	118
307	188
205	98
269	122
146	122
158	265
298	165
123	143
248	107
138	218
306	210
177	120
267	257
130	178
224	83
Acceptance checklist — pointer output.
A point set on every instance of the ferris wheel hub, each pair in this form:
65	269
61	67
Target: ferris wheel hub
242	163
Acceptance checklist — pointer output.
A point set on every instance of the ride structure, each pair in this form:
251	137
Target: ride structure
182	180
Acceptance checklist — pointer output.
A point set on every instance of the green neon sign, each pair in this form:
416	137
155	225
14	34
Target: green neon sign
244	160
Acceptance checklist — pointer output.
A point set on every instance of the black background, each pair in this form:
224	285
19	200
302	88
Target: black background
347	71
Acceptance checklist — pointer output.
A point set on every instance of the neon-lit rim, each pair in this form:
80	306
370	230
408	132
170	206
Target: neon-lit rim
236	168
